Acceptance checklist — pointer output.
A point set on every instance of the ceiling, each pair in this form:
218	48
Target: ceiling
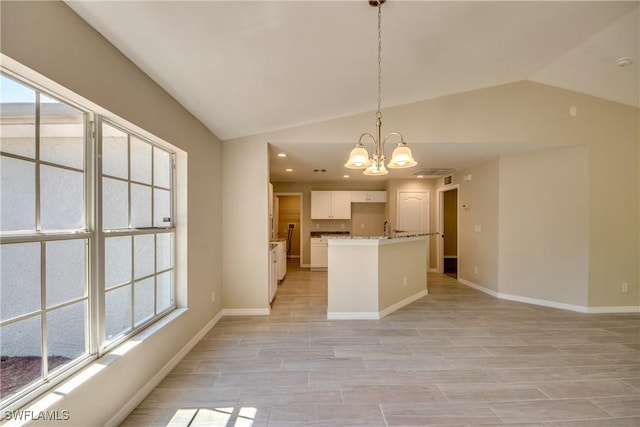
249	67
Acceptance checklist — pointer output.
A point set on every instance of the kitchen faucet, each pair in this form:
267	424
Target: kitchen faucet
384	229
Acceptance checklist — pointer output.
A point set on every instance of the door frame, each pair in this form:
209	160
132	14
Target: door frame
301	195
441	191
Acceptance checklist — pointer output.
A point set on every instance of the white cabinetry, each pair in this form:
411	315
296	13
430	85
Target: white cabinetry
330	205
281	250
319	254
273	272
368	196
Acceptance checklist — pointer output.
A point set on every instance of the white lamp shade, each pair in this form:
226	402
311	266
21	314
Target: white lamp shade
402	157
375	170
358	159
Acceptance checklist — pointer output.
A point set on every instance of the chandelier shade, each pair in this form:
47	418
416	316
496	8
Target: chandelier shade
402	157
359	157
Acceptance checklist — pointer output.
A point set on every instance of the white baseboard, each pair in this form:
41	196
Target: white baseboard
552	304
615	309
133	403
360	315
404	302
478	287
374	315
433	270
246	311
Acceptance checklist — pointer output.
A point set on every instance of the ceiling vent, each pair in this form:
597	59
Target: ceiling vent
435	172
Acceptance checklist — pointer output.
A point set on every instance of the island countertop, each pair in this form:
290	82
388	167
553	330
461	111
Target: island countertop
374	240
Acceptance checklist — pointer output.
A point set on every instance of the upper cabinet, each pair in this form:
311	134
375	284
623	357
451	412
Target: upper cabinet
330	205
368	196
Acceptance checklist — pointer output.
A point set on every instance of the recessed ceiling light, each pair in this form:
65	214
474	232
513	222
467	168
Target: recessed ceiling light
282	155
289	170
420	176
345	176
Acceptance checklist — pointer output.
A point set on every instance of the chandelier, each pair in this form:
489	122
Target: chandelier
359	157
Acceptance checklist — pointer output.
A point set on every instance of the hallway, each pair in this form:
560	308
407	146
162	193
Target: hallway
455	357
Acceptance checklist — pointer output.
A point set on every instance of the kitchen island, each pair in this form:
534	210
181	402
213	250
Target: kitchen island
371	277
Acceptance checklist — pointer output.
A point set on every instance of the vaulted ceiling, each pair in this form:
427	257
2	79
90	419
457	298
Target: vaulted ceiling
248	67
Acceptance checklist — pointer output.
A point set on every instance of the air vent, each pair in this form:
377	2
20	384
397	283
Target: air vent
448	180
435	172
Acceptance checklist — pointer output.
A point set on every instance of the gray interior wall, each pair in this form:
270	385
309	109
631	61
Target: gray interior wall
52	40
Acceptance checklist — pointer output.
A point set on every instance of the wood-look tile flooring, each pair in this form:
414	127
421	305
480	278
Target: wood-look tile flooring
456	357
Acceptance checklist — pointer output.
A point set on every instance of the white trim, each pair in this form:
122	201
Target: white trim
544	303
133	403
347	315
246	312
440	213
404	302
615	309
551	304
478	287
433	270
372	315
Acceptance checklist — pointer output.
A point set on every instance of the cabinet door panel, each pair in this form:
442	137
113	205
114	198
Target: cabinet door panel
377	196
359	196
321	205
340	205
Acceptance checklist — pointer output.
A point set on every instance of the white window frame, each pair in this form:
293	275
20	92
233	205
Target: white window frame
92	233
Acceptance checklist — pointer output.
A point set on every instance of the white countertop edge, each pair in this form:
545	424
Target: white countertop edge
372	241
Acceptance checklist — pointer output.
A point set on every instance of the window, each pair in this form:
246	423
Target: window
87	237
138	235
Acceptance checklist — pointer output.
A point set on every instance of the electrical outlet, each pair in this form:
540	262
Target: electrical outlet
404	281
476	270
362	226
213	297
625	287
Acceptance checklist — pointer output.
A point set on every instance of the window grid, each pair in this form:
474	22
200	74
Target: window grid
132	231
91	303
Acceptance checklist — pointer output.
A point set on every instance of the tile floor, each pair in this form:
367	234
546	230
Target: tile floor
454	358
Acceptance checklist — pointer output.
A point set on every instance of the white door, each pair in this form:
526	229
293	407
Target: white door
413	212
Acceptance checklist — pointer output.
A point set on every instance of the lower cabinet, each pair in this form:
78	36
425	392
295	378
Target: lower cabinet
273	272
319	254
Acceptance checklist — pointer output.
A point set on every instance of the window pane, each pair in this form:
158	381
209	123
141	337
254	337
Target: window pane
161	168
115	153
17	195
66	334
21	353
140	206
66	268
61	133
164	251
161	208
19	279
143	300
118	312
164	289
140	161
117	261
115	204
17	118
61	198
143	255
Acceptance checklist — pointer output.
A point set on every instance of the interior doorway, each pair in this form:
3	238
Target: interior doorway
289	224
448	242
